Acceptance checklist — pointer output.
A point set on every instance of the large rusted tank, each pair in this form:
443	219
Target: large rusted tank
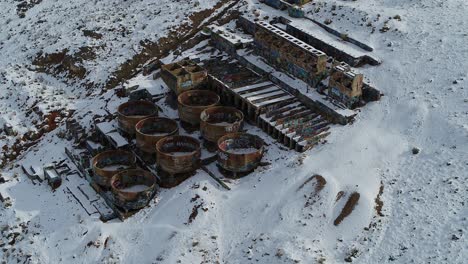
150	130
178	154
192	103
132	112
133	189
240	152
108	163
218	121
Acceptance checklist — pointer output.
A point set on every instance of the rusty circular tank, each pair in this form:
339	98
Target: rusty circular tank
192	103
150	130
218	121
132	112
106	164
240	152
133	189
178	154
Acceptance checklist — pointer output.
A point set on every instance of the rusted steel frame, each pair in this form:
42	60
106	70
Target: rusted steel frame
130	113
300	120
310	143
103	175
150	130
218	121
311	129
293	117
278	108
178	154
322	133
273	115
306	123
131	199
311	136
320	121
288	113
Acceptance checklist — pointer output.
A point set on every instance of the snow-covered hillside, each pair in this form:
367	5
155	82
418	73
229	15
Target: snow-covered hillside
280	213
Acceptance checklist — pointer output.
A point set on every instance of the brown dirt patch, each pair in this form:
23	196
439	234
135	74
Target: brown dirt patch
378	201
318	186
339	195
348	208
48	123
60	62
320	183
176	38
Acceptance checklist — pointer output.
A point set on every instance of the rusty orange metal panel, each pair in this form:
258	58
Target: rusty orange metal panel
133	189
240	152
130	113
178	154
106	164
192	103
218	121
150	130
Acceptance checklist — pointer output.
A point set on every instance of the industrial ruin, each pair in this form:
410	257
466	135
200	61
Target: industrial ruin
127	156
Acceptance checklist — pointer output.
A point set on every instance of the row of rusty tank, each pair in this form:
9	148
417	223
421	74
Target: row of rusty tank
177	155
117	171
220	125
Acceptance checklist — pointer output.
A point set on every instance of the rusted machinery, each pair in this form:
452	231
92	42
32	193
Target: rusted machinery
150	130
218	121
106	164
240	152
275	110
294	125
132	112
133	189
192	103
178	154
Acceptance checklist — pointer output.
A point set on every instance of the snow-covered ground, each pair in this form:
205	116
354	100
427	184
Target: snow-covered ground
268	216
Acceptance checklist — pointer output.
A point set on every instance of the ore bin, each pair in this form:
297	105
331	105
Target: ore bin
150	130
108	163
218	121
132	112
240	152
133	189
192	103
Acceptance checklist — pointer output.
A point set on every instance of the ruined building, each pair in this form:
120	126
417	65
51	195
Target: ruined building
224	40
290	54
182	76
345	85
